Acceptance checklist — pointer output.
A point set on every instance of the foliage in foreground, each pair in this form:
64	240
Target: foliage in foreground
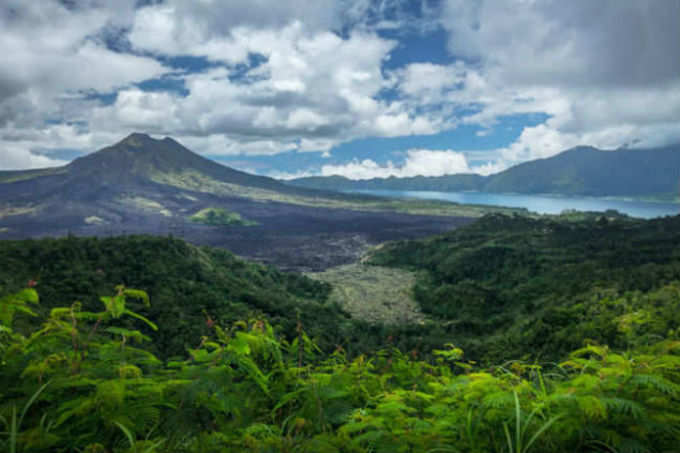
84	381
185	282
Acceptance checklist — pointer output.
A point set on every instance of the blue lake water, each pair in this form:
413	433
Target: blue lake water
542	204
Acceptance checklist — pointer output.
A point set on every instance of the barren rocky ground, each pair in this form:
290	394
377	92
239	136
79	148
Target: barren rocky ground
292	237
373	293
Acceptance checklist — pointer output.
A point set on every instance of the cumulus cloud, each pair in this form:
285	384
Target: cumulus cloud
15	157
418	162
20	148
605	72
577	43
314	90
52	50
54	60
206	28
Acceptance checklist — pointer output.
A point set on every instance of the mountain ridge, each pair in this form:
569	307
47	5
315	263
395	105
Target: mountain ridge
582	170
142	156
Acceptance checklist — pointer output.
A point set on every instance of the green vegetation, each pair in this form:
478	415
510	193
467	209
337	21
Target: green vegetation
517	287
94	220
541	335
187	284
593	172
146	204
433	207
190	285
448	183
219	216
85	381
373	293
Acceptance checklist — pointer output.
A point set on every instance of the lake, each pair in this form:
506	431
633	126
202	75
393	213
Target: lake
543	204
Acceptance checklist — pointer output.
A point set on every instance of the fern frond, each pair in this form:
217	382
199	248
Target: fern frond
625	407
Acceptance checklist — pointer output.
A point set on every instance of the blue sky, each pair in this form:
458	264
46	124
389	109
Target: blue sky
360	88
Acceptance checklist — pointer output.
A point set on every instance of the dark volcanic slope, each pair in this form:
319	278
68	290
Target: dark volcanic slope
129	164
133	187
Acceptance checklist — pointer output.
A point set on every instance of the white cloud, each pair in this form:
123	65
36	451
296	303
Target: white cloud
314	90
14	157
576	43
429	82
24	148
206	28
52	49
54	58
291	175
603	71
418	162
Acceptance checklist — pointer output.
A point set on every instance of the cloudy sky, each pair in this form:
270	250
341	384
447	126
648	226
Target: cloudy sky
360	88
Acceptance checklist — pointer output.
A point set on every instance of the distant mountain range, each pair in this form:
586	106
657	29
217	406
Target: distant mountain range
586	171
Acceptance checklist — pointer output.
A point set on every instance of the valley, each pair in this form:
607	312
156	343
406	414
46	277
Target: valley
575	315
376	294
360	318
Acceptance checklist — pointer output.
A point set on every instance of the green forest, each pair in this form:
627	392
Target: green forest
541	335
535	289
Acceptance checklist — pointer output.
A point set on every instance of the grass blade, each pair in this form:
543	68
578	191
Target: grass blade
30	402
508	437
127	433
518	427
543	428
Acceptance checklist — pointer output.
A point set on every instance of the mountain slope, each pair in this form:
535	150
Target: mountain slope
578	171
589	171
147	186
187	285
136	161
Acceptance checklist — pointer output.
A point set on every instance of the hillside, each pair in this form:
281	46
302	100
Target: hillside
188	285
645	173
501	287
517	287
589	171
142	185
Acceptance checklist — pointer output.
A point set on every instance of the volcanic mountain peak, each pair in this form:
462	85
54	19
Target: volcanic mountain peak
141	160
136	139
142	155
142	141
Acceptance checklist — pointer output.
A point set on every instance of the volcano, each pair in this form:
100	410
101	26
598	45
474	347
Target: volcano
143	185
